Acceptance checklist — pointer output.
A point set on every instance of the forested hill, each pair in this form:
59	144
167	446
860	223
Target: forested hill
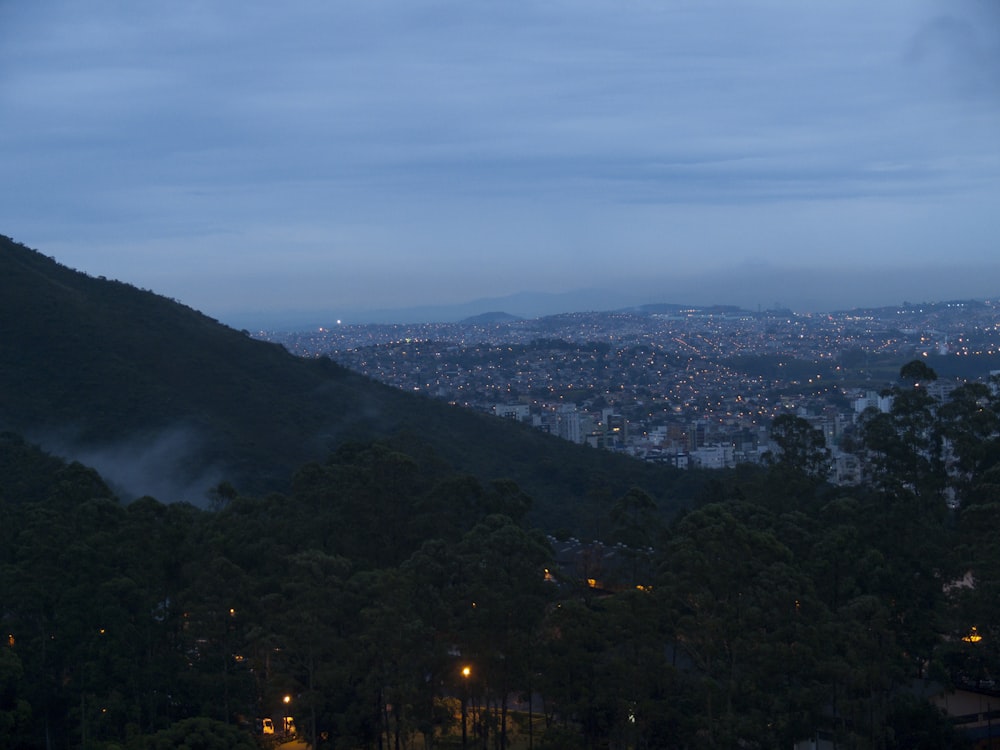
140	386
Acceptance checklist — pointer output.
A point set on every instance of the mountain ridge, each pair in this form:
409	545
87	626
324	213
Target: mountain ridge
159	397
534	305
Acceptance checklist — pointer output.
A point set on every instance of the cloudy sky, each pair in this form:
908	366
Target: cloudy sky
351	155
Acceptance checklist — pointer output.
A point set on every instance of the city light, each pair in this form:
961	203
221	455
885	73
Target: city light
662	374
973	636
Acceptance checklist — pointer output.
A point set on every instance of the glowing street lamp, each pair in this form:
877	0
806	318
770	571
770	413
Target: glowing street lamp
287	722
466	673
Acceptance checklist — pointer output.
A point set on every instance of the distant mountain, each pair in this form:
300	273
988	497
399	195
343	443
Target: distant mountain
665	308
749	286
521	305
165	401
490	317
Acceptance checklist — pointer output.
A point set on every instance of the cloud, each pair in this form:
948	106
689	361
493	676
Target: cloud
958	52
339	139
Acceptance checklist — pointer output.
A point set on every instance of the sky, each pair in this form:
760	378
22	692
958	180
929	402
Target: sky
353	156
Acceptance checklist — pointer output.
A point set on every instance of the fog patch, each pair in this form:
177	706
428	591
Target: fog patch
166	465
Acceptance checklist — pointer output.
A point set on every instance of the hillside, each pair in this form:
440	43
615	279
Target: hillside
166	401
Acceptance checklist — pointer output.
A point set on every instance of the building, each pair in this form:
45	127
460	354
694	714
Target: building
517	412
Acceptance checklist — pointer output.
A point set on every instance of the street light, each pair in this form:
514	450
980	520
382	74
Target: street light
466	672
287	722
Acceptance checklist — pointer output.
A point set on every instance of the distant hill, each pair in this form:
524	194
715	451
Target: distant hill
523	304
490	317
165	401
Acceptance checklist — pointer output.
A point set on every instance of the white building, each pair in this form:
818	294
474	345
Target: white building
873	399
714	457
570	425
517	412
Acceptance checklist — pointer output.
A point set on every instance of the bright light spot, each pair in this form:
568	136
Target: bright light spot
973	636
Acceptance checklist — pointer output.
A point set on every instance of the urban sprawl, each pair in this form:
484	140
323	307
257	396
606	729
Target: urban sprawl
684	386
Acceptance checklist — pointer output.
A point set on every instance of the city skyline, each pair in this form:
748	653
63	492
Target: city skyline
358	158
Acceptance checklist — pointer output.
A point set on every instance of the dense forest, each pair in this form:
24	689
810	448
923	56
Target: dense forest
399	603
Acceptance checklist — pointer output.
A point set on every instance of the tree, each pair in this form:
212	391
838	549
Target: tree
503	597
917	371
904	446
573	677
970	425
307	644
636	525
15	711
745	617
396	657
200	733
801	447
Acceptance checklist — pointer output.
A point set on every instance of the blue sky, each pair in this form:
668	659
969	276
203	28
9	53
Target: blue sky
358	155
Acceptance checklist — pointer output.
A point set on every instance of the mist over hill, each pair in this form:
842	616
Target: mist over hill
165	401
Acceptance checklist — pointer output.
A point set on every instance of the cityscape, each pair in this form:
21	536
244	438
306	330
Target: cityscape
687	386
500	376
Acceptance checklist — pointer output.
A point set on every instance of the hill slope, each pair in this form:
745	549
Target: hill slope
166	401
